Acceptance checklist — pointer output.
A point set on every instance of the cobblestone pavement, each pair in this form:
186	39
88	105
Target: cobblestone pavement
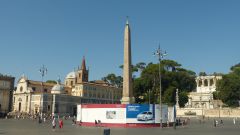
30	127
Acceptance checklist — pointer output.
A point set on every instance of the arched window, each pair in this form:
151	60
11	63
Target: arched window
199	83
211	82
205	82
21	89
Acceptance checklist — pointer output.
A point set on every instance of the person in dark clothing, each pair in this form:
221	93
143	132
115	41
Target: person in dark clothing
39	120
96	122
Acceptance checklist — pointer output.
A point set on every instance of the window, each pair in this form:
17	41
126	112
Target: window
21	89
48	107
71	83
33	89
205	82
45	90
211	82
14	100
200	83
27	99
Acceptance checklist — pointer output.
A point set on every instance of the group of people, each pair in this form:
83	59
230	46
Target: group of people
97	123
236	121
180	122
217	123
60	123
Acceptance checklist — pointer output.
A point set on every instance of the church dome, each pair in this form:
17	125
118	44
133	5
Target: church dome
71	75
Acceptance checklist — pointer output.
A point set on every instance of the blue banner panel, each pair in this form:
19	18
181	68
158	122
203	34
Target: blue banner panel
140	113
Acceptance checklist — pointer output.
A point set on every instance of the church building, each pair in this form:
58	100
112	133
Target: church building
35	97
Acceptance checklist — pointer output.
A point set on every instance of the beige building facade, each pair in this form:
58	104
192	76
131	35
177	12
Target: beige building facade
36	97
203	96
6	92
29	95
97	91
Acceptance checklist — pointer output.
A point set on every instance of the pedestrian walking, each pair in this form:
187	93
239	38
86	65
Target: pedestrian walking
96	123
60	122
99	123
214	123
54	124
44	119
221	123
73	121
39	120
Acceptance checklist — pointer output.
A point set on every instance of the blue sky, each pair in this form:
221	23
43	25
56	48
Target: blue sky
202	35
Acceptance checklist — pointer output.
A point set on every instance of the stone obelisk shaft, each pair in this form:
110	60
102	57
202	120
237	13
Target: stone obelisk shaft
127	70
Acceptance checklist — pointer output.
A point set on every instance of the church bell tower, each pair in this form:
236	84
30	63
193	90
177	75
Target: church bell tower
82	73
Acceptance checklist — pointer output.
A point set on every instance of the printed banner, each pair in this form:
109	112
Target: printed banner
140	113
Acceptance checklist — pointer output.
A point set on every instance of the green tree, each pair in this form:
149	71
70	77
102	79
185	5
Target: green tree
113	80
169	95
235	66
170	65
134	68
139	90
51	81
172	76
183	98
228	88
202	74
140	66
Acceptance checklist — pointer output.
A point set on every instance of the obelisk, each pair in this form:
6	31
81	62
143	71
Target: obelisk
127	97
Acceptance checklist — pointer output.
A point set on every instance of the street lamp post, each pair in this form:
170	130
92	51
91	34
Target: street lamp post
43	72
160	54
149	101
218	104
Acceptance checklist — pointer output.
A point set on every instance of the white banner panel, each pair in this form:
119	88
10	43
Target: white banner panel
105	115
79	112
164	113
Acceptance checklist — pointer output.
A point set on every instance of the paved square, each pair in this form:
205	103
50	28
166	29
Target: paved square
30	127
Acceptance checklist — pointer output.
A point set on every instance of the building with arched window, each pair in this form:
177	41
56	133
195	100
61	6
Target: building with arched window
203	96
40	97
